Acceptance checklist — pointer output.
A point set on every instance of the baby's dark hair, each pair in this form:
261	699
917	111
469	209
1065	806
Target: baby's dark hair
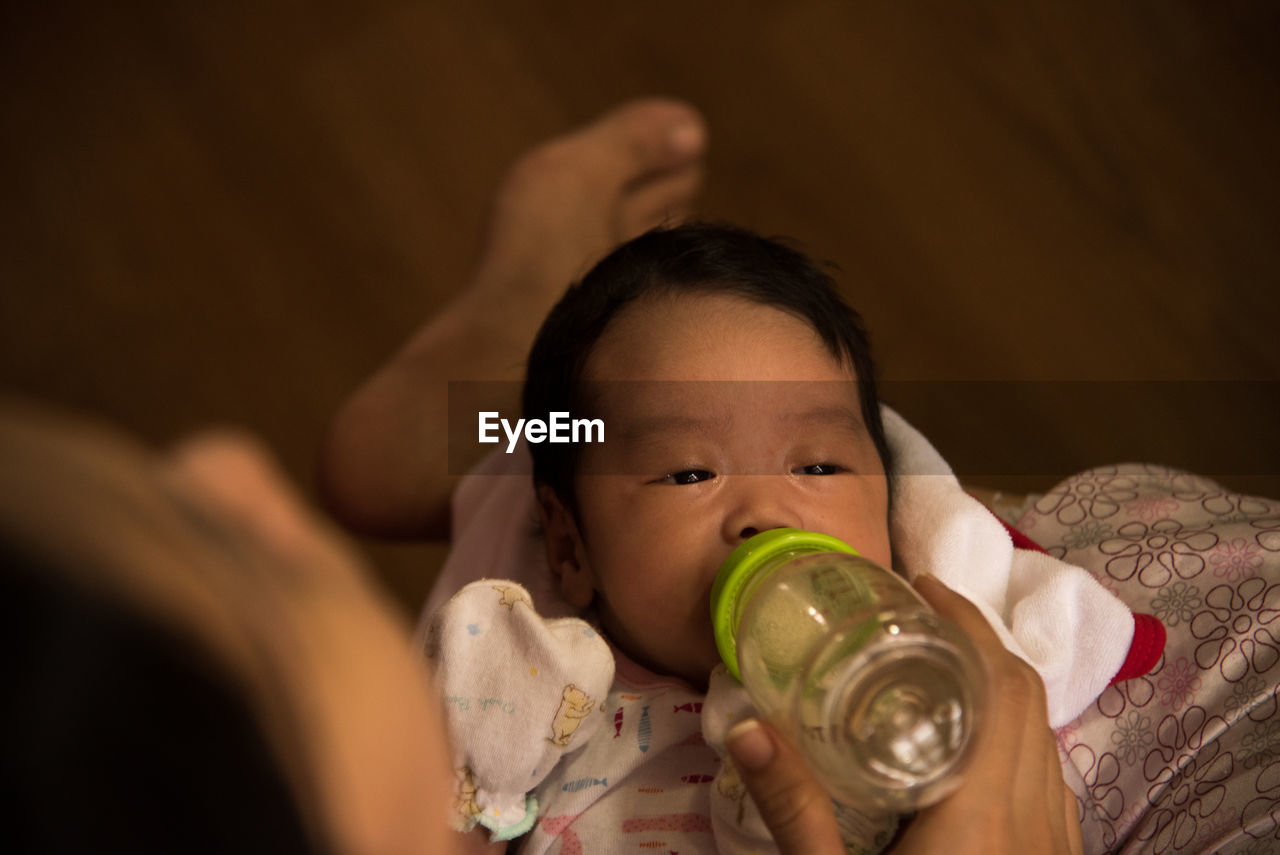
697	258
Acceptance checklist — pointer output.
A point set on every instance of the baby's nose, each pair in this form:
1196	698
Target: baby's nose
759	506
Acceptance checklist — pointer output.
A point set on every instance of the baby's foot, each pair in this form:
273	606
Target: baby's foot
566	203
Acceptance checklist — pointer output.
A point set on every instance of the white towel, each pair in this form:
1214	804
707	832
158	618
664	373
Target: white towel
1054	615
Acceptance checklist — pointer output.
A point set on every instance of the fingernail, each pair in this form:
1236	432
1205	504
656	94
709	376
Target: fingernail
685	138
750	745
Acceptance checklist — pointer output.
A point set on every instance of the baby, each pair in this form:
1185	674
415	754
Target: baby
737	394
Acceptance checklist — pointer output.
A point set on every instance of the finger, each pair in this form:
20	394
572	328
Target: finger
1046	773
1015	683
1016	702
792	803
956	608
1018	749
1071	816
1065	824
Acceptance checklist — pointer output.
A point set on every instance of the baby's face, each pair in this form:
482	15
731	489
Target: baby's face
730	418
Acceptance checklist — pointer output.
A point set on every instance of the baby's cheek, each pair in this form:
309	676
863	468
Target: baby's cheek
869	537
882	552
868	530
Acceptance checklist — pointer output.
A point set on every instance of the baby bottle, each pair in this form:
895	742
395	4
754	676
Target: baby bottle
880	694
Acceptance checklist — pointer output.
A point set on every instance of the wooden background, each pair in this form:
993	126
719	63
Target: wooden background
232	212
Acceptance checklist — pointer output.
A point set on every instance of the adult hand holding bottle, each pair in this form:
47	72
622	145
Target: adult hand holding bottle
1013	799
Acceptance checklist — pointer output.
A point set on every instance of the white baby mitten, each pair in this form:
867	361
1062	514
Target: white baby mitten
519	693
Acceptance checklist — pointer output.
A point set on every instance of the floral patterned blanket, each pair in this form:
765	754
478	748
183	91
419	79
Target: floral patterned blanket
1187	758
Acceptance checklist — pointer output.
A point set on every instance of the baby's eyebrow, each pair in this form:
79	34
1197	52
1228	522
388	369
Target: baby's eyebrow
649	427
834	415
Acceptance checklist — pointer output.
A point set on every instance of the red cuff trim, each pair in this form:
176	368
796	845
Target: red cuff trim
1020	540
1145	651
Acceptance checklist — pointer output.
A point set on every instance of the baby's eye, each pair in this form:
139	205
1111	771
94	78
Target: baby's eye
822	469
688	476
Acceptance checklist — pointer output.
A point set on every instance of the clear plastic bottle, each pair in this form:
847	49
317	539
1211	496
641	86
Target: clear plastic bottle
881	694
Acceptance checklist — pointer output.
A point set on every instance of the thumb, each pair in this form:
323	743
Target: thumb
792	803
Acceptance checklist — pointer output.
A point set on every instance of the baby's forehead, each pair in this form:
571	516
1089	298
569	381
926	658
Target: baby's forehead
780	398
700	337
641	413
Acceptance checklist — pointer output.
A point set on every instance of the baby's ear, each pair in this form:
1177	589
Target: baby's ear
566	555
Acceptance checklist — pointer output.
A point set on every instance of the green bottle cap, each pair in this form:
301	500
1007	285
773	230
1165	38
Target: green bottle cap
742	564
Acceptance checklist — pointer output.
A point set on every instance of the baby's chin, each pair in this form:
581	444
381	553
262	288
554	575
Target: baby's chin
694	671
691	664
698	672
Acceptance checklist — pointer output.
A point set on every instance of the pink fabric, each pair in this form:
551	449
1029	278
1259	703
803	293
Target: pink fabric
1185	759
